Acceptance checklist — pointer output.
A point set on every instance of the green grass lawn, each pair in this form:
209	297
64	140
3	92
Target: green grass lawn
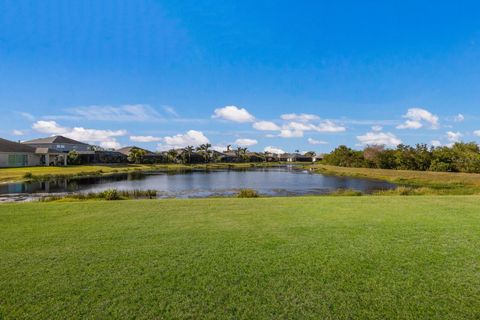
428	181
311	257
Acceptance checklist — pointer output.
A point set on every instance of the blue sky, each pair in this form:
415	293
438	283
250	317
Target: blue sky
316	74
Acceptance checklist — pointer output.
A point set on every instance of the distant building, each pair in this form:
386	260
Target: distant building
150	156
14	154
54	150
296	157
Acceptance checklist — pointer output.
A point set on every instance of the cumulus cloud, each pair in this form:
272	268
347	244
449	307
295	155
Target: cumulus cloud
416	118
145	139
316	142
246	142
299	117
287	133
106	138
329	126
379	138
130	112
189	138
18	133
453	137
296	129
275	150
459	118
377	128
266	126
233	113
477	133
436	143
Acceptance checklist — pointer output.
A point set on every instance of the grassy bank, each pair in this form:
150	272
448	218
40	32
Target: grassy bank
29	173
421	182
318	258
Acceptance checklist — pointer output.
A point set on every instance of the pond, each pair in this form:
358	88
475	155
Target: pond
279	181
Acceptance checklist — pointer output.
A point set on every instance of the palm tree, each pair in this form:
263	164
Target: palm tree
204	149
136	155
244	154
241	153
187	151
172	155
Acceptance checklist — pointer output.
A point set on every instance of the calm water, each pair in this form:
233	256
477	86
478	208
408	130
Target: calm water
283	181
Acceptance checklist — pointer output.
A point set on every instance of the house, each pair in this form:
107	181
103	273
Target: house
295	157
14	154
54	150
150	157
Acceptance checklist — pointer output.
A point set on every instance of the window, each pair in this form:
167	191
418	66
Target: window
60	146
17	160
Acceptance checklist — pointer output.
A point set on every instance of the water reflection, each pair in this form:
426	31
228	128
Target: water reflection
269	181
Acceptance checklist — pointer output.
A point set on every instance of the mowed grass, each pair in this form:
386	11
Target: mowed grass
437	182
267	258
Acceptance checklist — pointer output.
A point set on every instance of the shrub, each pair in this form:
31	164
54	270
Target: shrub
151	194
347	193
248	193
111	194
28	175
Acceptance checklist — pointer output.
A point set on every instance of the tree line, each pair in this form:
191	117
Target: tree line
459	157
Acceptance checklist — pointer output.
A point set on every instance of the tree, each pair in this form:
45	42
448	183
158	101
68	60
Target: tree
187	153
343	156
204	150
136	155
73	157
172	156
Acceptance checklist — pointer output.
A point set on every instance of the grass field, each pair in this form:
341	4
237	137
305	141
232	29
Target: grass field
277	258
430	182
18	174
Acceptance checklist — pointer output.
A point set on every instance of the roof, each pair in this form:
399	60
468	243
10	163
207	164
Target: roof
54	139
46	150
10	146
126	150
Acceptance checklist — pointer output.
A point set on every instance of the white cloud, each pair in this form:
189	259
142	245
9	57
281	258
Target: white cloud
170	110
190	138
298	126
329	126
49	127
459	118
315	142
145	139
130	112
265	126
410	124
233	113
377	128
275	150
287	133
18	133
436	143
246	142
106	138
417	118
454	136
477	133
296	129
379	138
299	117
